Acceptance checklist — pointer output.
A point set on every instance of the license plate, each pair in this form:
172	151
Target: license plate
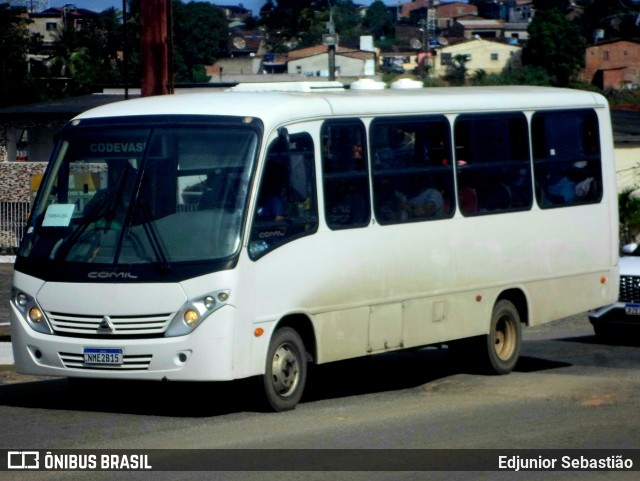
632	309
103	356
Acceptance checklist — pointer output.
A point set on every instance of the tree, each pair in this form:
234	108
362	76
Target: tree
71	54
199	37
458	69
293	19
614	19
562	5
556	45
378	20
14	42
347	19
302	22
104	41
629	213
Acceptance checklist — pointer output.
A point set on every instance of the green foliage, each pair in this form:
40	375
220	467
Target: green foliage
623	97
556	45
14	42
347	19
615	19
71	52
524	76
378	20
199	36
303	22
457	73
629	213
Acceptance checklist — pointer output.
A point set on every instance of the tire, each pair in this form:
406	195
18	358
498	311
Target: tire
286	370
502	345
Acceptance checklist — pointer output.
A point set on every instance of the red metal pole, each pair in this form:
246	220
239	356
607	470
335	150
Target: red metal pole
156	45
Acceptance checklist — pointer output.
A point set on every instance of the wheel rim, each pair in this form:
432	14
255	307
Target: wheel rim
505	340
285	370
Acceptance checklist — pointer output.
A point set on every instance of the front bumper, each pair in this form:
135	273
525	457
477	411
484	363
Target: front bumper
206	354
614	315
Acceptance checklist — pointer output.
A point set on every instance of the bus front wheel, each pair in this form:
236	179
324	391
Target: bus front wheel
285	371
502	344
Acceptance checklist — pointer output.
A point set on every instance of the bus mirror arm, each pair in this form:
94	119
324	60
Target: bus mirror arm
283	140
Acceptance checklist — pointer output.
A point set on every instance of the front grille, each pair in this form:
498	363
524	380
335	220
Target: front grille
90	326
630	289
129	363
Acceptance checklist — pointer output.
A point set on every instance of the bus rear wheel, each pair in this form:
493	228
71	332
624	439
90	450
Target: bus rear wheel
502	345
285	371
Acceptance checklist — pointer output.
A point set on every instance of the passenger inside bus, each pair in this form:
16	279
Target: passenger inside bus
348	206
271	204
428	203
566	185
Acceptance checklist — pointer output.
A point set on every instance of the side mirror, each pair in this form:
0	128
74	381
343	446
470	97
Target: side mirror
629	248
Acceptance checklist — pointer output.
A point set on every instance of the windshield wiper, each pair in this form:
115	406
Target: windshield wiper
108	203
94	214
152	236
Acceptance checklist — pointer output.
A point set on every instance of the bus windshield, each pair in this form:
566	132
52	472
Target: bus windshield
133	195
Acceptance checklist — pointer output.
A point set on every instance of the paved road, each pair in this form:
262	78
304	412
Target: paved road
567	392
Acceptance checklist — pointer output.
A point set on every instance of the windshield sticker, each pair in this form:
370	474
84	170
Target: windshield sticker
58	215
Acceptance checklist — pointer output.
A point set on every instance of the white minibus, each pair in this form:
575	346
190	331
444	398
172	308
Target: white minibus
237	234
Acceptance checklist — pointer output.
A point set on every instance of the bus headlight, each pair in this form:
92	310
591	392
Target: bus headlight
35	315
194	312
191	317
30	311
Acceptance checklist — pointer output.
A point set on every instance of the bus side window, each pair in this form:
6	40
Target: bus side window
493	163
412	169
345	174
287	207
567	162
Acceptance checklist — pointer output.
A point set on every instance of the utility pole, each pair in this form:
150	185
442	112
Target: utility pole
156	46
125	51
330	39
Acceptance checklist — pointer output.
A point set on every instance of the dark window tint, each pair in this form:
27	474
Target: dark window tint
286	207
345	174
412	169
567	163
493	166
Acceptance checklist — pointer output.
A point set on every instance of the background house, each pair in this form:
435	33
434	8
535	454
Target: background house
447	13
487	55
613	64
49	23
470	27
314	62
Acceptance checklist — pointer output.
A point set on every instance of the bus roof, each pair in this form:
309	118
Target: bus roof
277	107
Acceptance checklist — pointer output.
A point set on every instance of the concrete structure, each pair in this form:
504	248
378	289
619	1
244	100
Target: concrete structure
314	62
487	55
470	27
51	21
447	13
613	64
515	32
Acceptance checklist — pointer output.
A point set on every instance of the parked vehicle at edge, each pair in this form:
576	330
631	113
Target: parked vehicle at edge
624	315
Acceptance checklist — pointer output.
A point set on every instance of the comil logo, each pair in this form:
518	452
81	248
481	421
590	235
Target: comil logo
23	460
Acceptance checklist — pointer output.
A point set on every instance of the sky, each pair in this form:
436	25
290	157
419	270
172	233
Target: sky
253	5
